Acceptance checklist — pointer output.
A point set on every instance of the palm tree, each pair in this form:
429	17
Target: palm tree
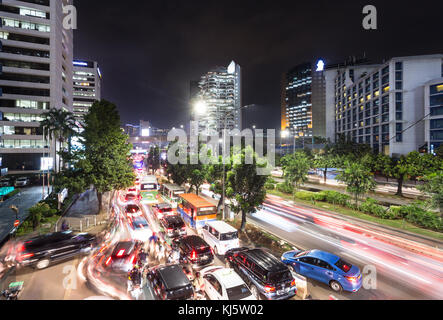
59	125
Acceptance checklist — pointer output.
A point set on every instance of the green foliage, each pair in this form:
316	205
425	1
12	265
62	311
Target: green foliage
285	188
371	206
154	158
358	178
295	168
271	180
269	186
434	185
394	212
306	195
335	197
244	185
417	215
105	163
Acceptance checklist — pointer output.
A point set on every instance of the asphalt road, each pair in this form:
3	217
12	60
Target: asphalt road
23	201
400	273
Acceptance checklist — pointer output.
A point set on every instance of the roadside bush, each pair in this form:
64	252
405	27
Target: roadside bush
417	215
285	188
394	212
271	180
371	206
335	197
305	195
269	186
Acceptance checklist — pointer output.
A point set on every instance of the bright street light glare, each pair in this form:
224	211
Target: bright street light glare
200	107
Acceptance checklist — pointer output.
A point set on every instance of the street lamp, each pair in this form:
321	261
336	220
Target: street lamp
200	107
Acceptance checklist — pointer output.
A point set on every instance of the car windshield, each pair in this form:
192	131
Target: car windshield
175	223
165	209
229	236
139	224
238	293
280	276
343	265
301	254
132	209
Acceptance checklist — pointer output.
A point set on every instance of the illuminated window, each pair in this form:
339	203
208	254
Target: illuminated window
386	89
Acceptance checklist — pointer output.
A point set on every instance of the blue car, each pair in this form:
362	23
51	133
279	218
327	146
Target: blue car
325	267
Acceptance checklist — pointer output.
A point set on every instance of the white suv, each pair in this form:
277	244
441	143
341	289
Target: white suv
220	236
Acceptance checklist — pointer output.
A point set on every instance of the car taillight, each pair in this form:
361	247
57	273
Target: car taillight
108	261
121	253
212	251
352	279
193	255
132	259
292	283
170	230
26	256
269	288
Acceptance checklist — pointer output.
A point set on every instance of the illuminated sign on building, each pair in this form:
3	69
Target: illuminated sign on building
320	65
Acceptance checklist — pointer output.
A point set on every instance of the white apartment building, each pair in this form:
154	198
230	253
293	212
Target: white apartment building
220	89
36	75
384	106
433	99
87	86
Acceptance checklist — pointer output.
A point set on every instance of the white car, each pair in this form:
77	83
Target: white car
21	182
224	284
220	236
139	229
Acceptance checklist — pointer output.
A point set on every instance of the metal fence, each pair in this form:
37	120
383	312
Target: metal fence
81	224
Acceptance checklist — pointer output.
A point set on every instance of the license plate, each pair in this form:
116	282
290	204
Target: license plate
280	292
205	258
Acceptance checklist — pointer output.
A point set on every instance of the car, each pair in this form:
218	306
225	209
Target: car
42	251
21	182
195	251
5	182
224	284
124	256
267	277
129	197
132	190
169	282
137	181
139	229
163	209
220	236
174	226
133	210
325	267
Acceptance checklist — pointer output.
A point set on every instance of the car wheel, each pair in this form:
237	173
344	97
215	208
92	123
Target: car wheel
42	264
255	292
336	286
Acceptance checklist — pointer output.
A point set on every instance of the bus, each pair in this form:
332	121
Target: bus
195	210
171	192
149	190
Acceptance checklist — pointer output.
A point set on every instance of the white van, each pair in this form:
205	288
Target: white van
220	236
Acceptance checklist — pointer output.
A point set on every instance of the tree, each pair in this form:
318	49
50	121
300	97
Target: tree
244	186
358	178
59	126
434	185
214	175
105	163
327	160
38	212
344	146
154	158
439	152
296	168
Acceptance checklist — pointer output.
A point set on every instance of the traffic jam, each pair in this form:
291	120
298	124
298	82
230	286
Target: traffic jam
165	244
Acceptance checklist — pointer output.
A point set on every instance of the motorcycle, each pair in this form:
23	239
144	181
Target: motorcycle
13	292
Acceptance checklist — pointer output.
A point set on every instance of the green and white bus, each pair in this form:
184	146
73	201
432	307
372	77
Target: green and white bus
149	190
171	192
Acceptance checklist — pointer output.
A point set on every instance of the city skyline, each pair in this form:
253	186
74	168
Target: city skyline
161	57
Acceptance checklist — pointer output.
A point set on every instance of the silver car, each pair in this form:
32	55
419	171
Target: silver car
21	182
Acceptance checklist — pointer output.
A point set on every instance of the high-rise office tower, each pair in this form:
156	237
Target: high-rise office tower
220	89
36	75
87	85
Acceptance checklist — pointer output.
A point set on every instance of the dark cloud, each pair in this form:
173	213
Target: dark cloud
149	51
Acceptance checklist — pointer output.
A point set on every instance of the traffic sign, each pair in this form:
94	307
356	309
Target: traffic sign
16	223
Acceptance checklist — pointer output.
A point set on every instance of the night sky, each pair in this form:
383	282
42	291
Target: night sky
149	51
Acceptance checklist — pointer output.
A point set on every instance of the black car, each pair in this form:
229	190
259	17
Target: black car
174	226
195	251
266	276
169	282
40	252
